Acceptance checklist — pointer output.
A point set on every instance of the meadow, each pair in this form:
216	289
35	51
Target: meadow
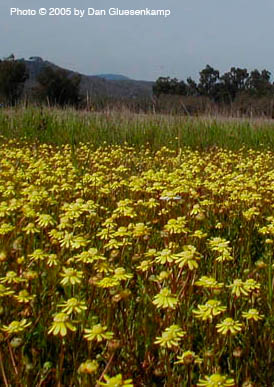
135	250
69	126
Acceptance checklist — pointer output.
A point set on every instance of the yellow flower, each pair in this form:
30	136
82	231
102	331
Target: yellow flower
199	234
88	367
89	256
250	213
78	241
188	258
30	228
252	314
165	299
116	381
108	282
124	209
170	337
228	326
238	288
52	260
224	257
188	357
216	380
6	228
38	255
151	253
5	291
72	305
71	276
209	282
120	274
145	265
98	333
61	325
113	244
162	276
16	326
209	310
243	288
66	240
218	244
11	278
140	230
221	246
165	256
45	220
176	226
252	285
24	297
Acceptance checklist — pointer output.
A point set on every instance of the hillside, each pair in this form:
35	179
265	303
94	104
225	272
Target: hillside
113	77
110	85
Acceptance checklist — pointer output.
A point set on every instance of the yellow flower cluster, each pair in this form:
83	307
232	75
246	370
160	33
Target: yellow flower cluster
168	255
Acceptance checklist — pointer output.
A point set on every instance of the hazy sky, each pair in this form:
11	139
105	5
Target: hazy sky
199	32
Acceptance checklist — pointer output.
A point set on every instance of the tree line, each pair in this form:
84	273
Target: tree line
236	92
219	88
55	86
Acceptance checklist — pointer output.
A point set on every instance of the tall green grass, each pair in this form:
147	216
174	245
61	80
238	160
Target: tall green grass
58	127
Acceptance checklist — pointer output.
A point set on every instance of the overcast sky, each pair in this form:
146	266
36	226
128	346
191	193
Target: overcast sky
199	32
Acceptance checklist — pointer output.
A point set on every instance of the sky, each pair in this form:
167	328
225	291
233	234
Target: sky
220	33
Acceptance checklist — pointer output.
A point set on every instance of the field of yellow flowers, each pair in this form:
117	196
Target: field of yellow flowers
125	267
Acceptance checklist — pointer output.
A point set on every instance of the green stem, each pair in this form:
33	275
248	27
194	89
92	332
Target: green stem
270	288
3	371
60	366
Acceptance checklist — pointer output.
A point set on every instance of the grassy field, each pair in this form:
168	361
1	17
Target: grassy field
113	128
135	251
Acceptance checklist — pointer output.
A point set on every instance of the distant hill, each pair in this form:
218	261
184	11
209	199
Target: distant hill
103	85
113	77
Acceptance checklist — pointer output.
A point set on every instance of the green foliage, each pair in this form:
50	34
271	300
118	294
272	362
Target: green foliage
13	74
218	88
258	84
232	82
58	88
208	81
167	85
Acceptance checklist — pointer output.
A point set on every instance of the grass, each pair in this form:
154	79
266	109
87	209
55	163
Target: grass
73	127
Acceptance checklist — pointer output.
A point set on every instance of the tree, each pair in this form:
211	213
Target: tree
12	77
258	83
208	80
231	84
59	87
171	86
182	88
165	85
192	88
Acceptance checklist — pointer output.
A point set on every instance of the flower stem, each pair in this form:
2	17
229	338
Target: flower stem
3	371
106	368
